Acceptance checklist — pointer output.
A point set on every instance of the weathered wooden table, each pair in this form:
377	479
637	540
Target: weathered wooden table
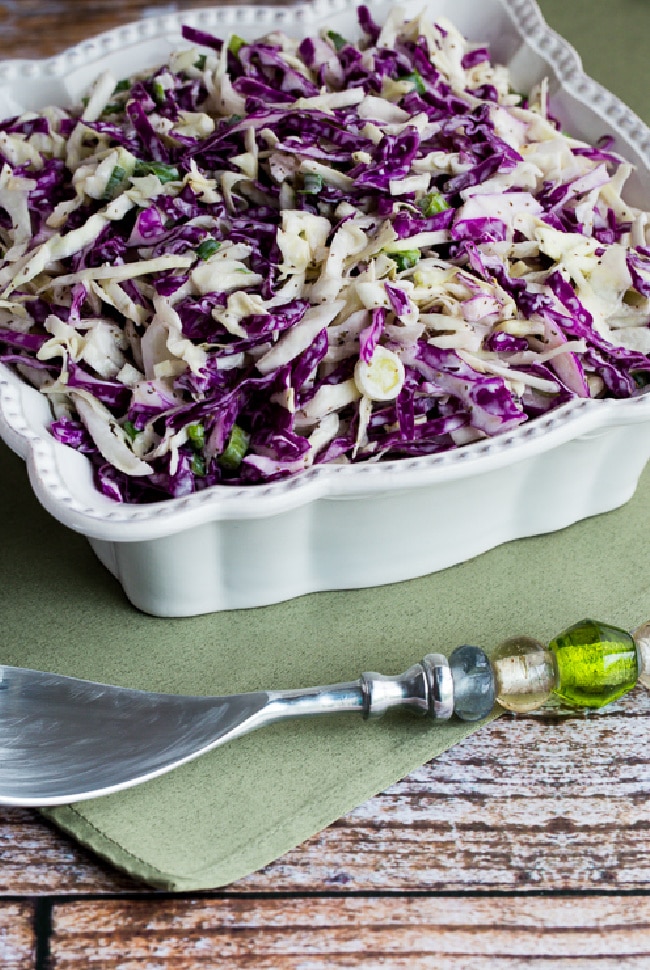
528	842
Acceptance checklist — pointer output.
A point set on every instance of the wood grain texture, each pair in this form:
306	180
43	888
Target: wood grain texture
485	859
38	860
522	805
41	28
17	941
436	933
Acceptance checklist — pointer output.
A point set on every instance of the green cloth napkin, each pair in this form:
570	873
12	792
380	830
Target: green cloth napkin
612	40
236	809
243	805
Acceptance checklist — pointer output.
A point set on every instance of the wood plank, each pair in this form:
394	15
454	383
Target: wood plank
524	804
30	28
419	932
38	860
17	941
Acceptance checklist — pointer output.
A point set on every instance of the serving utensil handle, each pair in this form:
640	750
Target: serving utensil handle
426	688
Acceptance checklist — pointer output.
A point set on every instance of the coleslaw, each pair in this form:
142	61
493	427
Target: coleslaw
263	256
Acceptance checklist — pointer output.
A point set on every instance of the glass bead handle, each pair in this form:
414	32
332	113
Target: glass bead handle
588	665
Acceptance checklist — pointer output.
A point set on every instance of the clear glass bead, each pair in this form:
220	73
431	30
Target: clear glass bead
596	663
641	637
473	679
525	674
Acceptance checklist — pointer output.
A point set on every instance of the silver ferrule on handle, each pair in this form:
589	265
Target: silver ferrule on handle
426	688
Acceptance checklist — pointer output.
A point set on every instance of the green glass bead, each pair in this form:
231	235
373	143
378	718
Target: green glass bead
596	663
525	674
641	637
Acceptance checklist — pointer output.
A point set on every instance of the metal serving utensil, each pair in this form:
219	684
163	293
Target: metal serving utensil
63	739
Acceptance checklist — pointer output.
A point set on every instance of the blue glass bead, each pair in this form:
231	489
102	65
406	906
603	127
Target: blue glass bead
473	679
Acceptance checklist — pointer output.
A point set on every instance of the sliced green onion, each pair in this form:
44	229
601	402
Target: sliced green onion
123	85
159	92
197	465
196	435
166	173
418	82
116	178
231	457
405	258
432	203
641	378
236	43
338	41
312	183
113	108
201	62
207	248
130	430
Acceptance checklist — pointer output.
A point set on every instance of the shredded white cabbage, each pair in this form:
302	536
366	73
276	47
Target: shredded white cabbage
375	264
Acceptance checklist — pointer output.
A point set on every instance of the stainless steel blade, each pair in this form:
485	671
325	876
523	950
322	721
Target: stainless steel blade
63	739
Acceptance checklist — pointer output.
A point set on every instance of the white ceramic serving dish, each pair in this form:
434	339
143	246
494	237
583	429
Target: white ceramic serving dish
337	527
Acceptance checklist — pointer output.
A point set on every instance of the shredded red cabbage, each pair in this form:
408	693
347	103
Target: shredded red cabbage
267	255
